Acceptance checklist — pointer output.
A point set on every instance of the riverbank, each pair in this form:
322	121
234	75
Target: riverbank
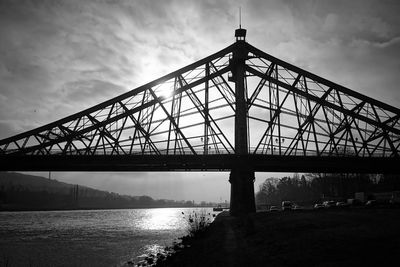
346	237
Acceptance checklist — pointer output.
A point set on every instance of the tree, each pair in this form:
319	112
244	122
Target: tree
267	192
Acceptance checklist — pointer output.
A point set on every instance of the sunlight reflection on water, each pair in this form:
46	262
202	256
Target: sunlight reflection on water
162	219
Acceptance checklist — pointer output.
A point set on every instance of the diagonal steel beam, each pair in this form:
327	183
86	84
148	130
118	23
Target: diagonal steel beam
176	127
141	130
259	87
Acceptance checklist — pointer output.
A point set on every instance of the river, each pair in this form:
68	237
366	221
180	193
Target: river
89	237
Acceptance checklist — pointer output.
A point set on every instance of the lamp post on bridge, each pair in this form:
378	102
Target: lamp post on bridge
241	177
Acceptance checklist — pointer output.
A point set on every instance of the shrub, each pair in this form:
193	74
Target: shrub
198	222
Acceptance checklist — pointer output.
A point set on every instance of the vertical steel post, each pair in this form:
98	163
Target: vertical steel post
241	177
206	121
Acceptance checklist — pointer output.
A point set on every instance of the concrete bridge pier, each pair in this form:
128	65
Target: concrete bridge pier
242	191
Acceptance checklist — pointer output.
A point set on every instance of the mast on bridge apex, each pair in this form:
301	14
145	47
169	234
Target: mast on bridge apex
240	33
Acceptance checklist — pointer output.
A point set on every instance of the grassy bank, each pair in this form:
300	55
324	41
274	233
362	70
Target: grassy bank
348	237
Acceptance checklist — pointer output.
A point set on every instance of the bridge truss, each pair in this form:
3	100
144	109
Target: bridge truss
186	121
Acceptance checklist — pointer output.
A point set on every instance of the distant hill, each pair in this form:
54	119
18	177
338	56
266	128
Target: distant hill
28	192
34	183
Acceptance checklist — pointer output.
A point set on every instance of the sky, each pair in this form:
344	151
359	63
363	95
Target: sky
60	57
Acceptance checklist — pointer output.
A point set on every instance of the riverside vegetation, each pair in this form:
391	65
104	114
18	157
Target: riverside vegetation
197	224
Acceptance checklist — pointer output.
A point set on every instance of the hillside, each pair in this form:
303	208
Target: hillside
34	183
28	192
9	180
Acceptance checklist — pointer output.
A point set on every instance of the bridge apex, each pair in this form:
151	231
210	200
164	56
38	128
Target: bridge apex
240	35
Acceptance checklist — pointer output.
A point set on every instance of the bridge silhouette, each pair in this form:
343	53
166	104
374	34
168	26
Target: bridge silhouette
239	110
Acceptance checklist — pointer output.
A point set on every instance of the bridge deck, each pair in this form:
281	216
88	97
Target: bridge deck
260	163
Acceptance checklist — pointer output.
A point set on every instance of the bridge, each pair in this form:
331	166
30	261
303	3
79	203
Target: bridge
239	110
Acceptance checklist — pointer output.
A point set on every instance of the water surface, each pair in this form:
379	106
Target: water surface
89	237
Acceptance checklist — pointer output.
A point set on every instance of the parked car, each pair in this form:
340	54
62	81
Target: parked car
341	204
329	204
370	203
273	208
287	205
318	206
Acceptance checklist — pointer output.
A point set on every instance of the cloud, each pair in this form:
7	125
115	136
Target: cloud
8	127
87	90
47	47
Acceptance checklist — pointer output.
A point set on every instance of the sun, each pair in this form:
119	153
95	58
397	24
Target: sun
166	93
164	90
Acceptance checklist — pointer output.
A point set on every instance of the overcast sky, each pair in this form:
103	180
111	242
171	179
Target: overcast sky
60	57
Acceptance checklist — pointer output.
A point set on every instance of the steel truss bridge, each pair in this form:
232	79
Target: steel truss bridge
240	110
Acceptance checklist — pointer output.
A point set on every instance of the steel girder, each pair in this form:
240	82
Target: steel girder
191	111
